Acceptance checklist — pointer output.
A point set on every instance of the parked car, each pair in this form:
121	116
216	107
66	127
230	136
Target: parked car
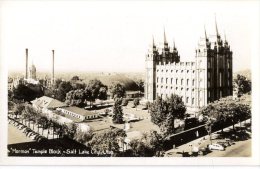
216	147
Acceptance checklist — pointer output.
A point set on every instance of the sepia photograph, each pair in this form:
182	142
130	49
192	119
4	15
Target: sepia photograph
165	80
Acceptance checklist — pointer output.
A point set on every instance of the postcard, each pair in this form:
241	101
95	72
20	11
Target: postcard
129	82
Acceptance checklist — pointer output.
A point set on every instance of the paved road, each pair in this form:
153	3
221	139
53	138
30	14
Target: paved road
240	149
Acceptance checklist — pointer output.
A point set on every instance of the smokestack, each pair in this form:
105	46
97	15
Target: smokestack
52	66
26	63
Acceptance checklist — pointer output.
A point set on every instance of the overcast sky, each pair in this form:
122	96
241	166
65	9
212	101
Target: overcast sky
115	36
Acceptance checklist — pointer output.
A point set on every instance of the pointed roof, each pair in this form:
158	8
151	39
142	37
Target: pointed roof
174	47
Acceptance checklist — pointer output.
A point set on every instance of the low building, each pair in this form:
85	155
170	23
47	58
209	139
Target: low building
10	84
79	113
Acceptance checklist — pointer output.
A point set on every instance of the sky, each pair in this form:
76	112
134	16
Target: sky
115	36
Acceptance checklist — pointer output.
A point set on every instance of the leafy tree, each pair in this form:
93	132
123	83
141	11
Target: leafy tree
140	84
69	130
107	141
27	92
117	112
63	88
83	137
75	78
96	90
165	112
243	84
117	90
29	114
76	98
151	144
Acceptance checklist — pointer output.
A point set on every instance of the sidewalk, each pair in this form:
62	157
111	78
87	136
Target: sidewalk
199	142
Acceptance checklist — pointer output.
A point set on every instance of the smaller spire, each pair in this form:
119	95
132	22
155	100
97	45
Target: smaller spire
174	47
165	41
216	25
153	42
205	33
225	35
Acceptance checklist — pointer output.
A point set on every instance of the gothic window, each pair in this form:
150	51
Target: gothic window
161	80
176	88
220	79
171	80
187	82
187	89
193	82
176	81
162	70
166	87
181	71
157	79
166	80
193	71
176	71
192	101
181	81
187	71
166	70
157	86
157	70
187	99
171	71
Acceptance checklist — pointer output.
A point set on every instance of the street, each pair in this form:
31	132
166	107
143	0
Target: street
240	149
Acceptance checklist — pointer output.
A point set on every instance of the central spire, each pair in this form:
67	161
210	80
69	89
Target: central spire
216	26
165	41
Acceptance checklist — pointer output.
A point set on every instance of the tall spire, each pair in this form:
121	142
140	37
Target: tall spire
165	41
205	33
174	47
216	26
225	35
153	42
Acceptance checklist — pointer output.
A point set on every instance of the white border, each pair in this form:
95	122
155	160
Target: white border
254	160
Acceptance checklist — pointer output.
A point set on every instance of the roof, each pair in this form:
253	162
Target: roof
79	111
47	102
132	92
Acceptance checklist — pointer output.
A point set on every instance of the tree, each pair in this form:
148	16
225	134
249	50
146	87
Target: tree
140	84
243	84
76	98
83	137
117	112
30	114
107	141
165	112
96	90
63	88
27	92
151	144
117	90
75	78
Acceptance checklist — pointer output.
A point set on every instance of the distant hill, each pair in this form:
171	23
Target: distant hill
246	73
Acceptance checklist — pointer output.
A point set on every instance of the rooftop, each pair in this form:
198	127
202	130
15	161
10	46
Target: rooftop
79	111
48	102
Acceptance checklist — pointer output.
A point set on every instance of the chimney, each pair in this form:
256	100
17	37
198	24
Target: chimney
26	63
52	66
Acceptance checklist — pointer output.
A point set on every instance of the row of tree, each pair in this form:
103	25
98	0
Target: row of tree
224	110
29	116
